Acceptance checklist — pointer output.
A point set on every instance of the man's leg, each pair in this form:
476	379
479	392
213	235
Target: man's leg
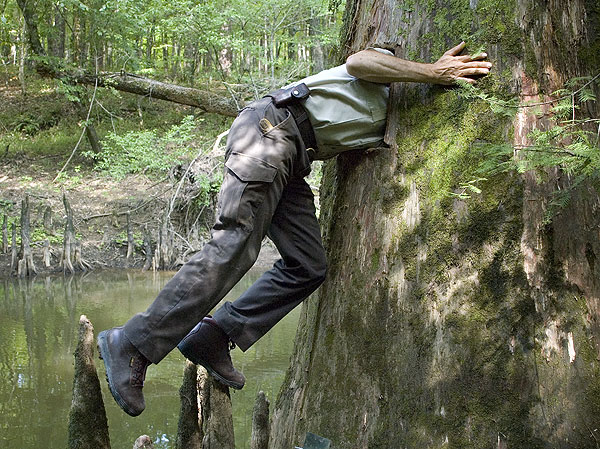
295	231
259	166
251	191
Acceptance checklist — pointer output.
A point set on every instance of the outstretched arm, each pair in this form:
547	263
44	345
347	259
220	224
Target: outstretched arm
377	67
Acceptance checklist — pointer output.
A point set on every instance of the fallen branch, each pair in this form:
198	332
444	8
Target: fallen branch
217	102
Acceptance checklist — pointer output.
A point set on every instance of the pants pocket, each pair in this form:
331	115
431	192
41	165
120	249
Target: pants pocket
246	183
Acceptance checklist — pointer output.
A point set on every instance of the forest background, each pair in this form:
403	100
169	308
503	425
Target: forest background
127	151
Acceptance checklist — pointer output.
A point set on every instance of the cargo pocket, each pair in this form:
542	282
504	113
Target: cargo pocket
246	182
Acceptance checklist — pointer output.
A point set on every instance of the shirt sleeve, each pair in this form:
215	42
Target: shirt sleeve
381	50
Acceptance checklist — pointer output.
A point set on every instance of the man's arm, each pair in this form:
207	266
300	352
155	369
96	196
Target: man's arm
377	67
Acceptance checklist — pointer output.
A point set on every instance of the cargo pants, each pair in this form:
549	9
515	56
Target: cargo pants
263	194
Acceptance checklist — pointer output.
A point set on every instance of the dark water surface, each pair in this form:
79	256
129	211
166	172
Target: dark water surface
38	329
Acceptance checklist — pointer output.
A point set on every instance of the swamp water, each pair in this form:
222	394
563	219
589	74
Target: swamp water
38	334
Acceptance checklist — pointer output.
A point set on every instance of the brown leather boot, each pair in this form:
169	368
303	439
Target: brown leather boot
208	345
125	369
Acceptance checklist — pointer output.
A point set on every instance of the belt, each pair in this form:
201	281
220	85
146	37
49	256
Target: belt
307	133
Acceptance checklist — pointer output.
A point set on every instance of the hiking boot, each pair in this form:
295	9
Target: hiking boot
125	369
208	345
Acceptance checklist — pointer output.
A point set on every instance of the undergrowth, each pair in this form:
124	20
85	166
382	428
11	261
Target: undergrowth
44	124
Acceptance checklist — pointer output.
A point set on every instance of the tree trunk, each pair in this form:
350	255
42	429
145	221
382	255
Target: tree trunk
189	427
260	423
5	234
47	218
147	249
22	58
462	322
69	239
47	255
59	48
13	250
90	132
28	9
56	36
26	266
130	242
318	60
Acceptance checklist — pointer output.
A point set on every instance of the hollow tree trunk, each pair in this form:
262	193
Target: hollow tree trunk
461	322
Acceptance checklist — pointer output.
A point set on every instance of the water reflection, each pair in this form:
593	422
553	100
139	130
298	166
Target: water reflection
38	326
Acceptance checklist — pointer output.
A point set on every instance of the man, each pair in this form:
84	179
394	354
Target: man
269	150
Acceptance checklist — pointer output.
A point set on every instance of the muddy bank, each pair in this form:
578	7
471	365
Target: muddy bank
111	219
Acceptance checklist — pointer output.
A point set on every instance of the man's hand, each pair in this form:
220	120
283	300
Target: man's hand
371	65
451	67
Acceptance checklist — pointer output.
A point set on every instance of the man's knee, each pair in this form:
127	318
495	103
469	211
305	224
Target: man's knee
318	270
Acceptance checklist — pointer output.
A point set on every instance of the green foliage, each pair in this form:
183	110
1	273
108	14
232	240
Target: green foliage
207	187
39	234
499	106
144	151
183	39
138	239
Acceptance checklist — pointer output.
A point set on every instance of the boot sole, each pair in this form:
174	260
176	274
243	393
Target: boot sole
212	372
104	355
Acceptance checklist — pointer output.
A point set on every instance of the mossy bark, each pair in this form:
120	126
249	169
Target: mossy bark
463	321
88	427
189	428
260	422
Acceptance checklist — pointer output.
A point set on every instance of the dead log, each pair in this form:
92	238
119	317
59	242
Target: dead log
69	239
88	426
5	234
260	423
219	102
25	266
189	429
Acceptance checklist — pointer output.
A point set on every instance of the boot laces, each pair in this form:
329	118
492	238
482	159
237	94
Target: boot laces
138	365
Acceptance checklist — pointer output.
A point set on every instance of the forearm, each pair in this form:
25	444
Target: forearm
377	67
370	65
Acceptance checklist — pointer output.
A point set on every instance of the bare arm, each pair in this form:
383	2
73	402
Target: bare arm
377	67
